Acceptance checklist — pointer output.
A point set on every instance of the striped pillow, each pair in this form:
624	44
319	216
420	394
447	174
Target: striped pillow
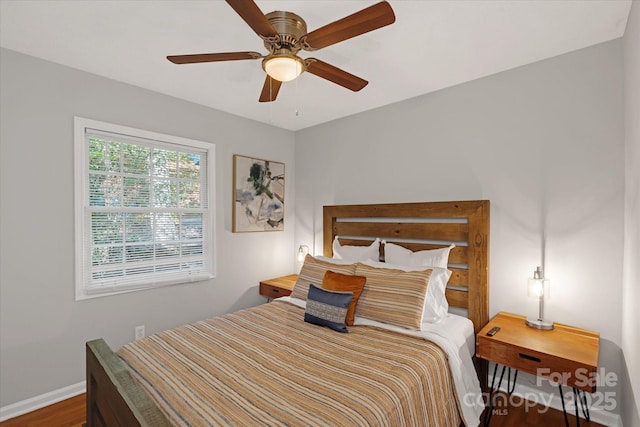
313	271
393	296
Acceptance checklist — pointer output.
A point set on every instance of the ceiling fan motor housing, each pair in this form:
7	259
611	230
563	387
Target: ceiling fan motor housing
290	28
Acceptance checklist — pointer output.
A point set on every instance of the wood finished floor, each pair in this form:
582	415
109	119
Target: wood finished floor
68	413
71	413
532	415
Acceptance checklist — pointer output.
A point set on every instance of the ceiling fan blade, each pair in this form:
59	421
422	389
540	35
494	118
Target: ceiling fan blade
253	16
270	89
212	57
369	19
335	74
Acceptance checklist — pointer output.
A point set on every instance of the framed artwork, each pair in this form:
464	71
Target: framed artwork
258	194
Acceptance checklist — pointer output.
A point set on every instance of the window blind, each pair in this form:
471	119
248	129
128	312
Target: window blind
146	213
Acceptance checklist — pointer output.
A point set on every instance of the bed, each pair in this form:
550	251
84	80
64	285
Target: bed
265	366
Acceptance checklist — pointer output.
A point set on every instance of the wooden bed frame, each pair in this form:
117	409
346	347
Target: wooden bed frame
114	398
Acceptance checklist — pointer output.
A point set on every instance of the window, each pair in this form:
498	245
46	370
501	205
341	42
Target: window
143	206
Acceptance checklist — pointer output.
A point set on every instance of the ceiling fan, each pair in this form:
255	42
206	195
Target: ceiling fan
285	34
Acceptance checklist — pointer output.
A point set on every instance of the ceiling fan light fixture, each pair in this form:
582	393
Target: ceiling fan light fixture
283	68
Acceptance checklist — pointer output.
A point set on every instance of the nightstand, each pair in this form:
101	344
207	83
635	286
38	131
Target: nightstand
278	287
565	355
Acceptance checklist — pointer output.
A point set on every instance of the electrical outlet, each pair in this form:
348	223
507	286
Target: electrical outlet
139	332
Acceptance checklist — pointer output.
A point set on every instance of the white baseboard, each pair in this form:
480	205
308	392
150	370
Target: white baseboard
597	414
28	405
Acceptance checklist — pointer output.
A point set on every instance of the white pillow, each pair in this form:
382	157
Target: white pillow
356	253
398	255
436	305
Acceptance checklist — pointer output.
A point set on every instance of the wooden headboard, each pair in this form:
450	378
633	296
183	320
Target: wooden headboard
419	226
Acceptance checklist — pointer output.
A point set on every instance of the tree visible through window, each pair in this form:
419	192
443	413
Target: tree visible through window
145	207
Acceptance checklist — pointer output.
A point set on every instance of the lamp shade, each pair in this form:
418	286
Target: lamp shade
303	250
538	287
283	68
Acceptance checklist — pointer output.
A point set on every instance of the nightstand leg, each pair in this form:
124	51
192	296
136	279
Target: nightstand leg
581	398
577	403
564	411
515	379
487	416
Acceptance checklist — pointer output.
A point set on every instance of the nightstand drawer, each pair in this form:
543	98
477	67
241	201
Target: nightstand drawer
272	291
543	365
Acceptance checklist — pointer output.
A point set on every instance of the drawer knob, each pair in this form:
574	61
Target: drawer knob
532	358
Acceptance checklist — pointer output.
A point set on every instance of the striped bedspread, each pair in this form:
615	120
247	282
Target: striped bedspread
266	366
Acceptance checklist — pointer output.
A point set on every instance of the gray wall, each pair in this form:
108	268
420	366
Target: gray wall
543	142
42	328
631	286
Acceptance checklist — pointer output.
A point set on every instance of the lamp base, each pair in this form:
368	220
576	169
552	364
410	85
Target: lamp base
539	324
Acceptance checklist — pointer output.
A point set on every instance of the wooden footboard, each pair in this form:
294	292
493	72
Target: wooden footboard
114	397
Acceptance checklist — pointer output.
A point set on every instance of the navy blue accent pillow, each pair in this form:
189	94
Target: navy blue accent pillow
327	308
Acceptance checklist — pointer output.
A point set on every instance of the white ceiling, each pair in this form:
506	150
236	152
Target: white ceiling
432	45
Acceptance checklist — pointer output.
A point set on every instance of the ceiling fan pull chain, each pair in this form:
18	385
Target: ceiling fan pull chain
297	98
